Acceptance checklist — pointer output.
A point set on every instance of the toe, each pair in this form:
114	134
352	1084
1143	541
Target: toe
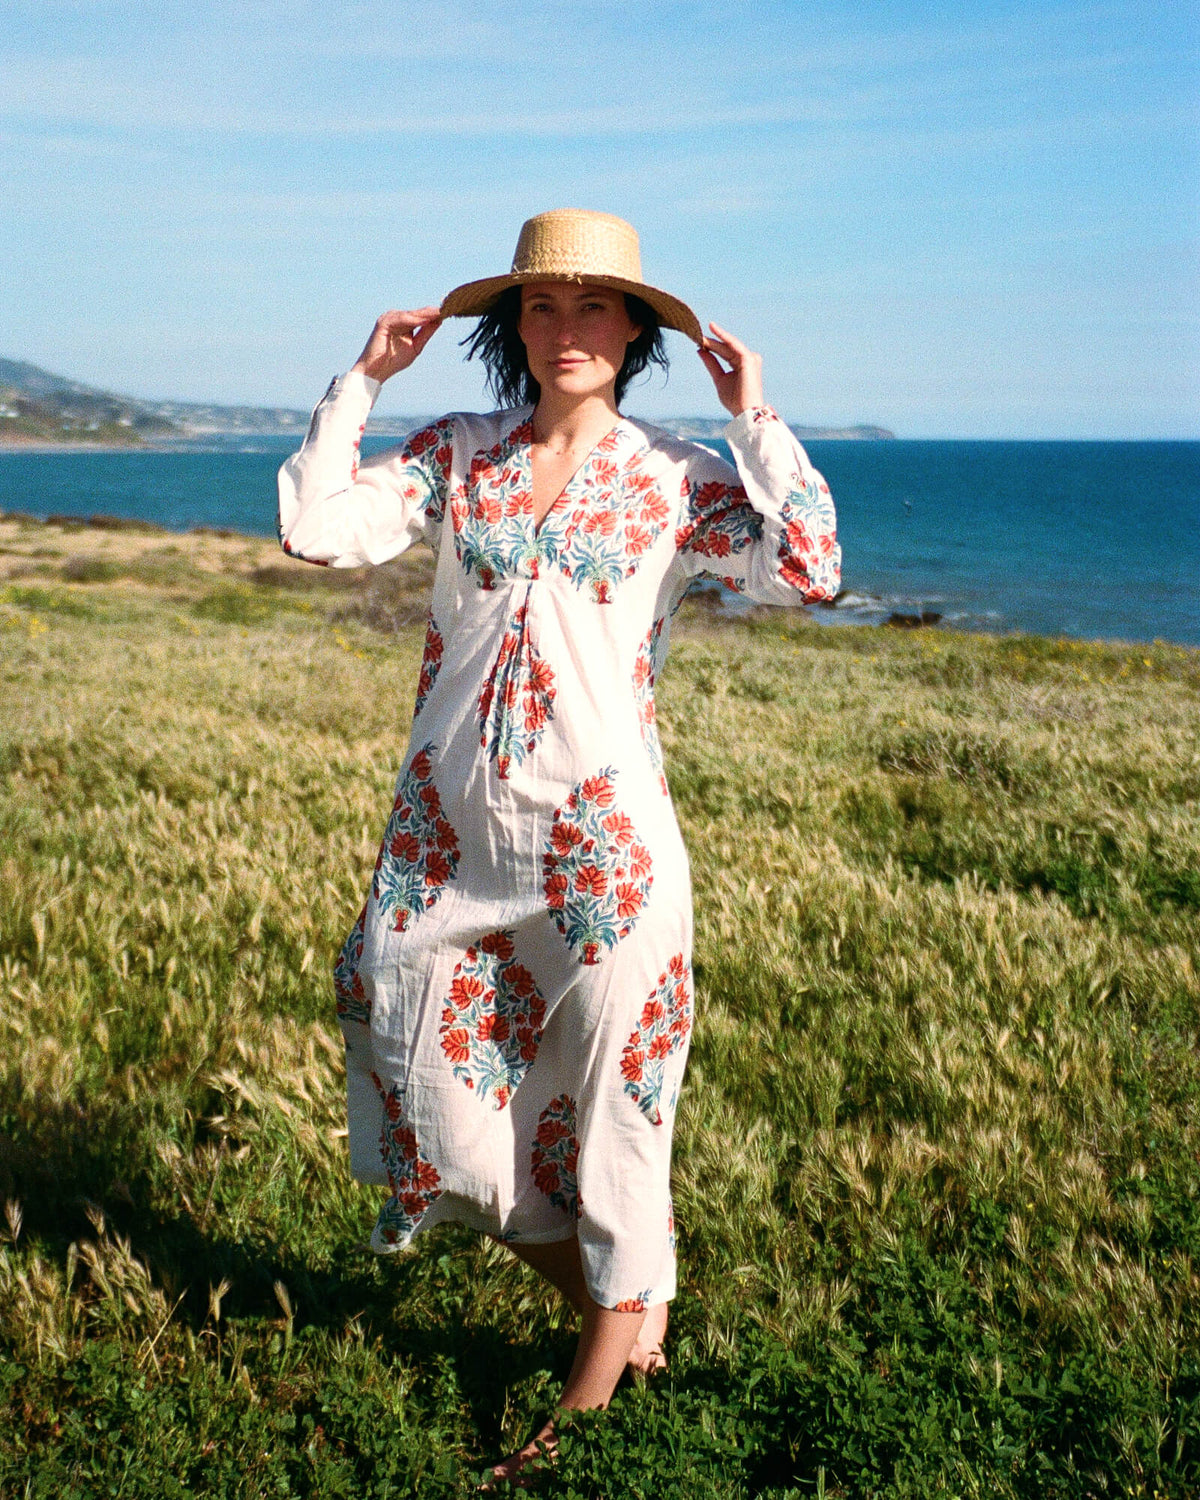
524	1468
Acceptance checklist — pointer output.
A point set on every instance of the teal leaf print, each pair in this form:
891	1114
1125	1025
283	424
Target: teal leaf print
492	1019
597	872
419	855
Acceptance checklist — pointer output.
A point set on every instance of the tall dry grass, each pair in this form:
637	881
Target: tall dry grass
938	1148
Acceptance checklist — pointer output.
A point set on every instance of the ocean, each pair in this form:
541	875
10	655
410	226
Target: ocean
1096	541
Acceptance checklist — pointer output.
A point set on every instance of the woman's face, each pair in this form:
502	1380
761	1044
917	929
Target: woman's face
575	337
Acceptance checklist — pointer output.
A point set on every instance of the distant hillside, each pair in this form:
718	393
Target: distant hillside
36	406
700	428
39	407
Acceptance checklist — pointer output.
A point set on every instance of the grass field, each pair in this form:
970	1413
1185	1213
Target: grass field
938	1151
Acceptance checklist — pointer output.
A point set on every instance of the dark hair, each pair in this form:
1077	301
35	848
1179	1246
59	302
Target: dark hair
499	346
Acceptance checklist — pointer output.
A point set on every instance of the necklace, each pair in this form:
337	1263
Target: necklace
579	445
561	452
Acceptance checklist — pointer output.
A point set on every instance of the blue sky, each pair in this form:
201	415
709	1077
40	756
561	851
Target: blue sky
971	220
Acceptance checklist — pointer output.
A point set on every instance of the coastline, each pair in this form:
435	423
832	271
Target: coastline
40	445
210	443
992	538
67	550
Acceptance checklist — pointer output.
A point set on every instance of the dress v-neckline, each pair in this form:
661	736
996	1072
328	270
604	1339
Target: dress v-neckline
584	463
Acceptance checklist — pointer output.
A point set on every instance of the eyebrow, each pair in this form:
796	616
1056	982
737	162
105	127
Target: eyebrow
595	295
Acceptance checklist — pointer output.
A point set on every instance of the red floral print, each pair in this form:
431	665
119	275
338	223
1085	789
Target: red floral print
420	853
554	1159
718	520
517	700
352	1002
597	877
607	519
811	564
492	1023
491	512
431	452
414	1182
431	663
662	1031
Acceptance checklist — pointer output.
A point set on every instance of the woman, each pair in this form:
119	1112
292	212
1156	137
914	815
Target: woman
516	996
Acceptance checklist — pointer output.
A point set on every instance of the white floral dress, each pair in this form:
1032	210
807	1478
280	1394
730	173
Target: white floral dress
516	996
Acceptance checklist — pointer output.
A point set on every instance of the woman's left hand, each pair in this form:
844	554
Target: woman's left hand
741	385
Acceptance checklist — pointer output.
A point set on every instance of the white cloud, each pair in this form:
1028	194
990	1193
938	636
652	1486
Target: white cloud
856	182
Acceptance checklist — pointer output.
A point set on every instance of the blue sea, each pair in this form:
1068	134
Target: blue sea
1090	540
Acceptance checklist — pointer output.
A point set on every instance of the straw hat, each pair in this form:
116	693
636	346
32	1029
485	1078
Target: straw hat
575	244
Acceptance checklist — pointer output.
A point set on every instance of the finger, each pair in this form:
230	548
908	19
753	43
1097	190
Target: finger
424	334
727	342
733	360
728	338
408	317
426	329
712	364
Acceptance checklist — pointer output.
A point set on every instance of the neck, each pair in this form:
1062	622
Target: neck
575	422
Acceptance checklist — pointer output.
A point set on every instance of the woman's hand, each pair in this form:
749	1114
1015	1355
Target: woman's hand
741	385
396	340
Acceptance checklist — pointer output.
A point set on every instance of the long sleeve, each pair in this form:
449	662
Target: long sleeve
338	509
772	536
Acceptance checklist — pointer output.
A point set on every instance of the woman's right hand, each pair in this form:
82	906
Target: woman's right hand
396	340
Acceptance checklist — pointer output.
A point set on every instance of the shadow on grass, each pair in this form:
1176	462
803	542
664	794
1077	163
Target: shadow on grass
424	1307
916	1381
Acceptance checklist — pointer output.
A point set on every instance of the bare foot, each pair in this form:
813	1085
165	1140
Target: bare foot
526	1466
647	1357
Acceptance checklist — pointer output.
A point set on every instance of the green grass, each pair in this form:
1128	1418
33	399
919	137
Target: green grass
938	1151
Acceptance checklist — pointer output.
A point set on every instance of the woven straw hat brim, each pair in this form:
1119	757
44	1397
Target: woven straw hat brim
474	298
